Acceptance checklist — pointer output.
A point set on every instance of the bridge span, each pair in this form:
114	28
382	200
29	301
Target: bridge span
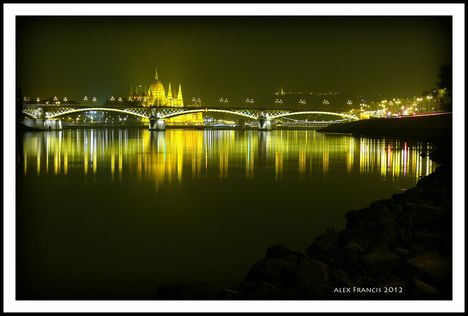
48	116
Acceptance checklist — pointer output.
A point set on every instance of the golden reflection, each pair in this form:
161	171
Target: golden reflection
177	154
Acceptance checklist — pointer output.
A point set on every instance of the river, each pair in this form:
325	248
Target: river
112	213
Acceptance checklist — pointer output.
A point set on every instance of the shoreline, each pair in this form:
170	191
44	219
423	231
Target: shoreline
434	128
395	248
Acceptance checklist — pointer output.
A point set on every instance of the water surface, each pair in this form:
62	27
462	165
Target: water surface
111	213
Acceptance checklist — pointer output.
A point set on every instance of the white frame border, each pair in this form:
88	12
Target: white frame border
9	79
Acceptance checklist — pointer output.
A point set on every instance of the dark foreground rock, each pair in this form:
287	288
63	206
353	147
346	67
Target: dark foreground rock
398	248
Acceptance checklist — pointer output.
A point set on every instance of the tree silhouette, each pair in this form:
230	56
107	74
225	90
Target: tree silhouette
445	83
445	77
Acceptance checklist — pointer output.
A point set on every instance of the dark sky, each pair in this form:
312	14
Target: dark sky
236	57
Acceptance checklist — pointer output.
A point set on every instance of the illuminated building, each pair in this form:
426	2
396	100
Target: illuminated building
156	96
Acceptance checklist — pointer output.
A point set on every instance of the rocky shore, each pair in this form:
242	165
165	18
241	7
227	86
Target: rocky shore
396	248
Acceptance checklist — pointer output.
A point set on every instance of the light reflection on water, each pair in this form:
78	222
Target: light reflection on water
109	213
173	155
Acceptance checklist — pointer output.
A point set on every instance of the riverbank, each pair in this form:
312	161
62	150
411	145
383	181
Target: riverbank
396	248
435	128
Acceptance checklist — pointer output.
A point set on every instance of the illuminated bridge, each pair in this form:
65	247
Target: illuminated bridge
47	116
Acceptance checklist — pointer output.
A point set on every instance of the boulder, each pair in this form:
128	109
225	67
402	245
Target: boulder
424	290
402	252
380	262
417	248
187	290
364	239
439	218
341	278
323	243
431	267
311	273
354	248
277	271
259	289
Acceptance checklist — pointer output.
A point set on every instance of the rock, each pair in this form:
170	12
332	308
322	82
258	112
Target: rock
433	240
433	218
366	240
260	289
230	294
281	251
412	195
187	290
360	220
380	262
323	243
430	267
424	290
311	272
402	252
417	248
354	248
395	206
341	278
277	271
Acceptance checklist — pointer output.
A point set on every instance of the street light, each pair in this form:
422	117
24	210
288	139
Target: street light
223	100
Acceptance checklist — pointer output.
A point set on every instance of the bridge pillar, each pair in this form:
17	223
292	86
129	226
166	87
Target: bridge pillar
42	122
52	124
157	124
264	123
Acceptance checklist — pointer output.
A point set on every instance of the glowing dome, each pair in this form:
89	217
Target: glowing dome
156	88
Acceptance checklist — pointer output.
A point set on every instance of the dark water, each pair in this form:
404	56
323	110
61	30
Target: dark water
108	213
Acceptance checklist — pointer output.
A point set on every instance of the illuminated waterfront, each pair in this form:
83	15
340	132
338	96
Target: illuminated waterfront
111	213
162	158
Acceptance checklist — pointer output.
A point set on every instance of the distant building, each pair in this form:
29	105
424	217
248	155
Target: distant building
156	94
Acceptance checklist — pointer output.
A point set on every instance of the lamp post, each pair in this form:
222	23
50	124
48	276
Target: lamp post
249	101
429	98
223	101
278	102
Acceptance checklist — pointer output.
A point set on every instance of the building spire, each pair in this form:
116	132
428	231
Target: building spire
156	74
179	94
180	99
169	91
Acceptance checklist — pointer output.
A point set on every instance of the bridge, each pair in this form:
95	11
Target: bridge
47	116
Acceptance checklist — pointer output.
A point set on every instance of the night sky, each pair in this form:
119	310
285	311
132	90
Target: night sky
235	57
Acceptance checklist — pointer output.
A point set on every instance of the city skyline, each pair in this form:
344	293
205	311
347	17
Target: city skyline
234	57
